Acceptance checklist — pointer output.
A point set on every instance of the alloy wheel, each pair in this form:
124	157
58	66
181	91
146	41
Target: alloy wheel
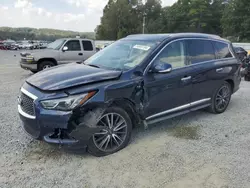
113	134
46	67
223	97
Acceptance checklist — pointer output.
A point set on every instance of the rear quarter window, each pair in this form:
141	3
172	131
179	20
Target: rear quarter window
222	50
200	51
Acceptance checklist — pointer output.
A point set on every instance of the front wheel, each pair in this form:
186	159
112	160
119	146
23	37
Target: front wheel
221	98
45	65
115	133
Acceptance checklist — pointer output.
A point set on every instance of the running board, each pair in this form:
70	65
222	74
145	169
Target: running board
156	120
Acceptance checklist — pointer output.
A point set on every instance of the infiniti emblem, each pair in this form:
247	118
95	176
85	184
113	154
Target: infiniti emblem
19	100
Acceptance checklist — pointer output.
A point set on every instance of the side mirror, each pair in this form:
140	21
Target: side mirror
65	48
161	68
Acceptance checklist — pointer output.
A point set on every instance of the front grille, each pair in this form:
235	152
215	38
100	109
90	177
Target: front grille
27	104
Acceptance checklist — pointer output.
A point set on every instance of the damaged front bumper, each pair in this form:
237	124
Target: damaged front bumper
51	126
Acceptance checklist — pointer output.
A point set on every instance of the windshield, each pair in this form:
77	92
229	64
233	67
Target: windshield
56	45
122	55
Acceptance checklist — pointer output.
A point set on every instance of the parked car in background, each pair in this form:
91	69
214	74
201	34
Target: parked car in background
10	44
245	46
26	45
43	45
61	51
241	53
2	46
138	79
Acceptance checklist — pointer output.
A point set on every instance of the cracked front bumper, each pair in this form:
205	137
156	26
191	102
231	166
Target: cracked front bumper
45	124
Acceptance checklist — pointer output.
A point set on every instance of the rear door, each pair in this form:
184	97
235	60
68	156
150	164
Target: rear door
88	49
208	67
74	52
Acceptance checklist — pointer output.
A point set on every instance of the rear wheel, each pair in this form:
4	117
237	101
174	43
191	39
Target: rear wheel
45	65
114	135
221	98
33	71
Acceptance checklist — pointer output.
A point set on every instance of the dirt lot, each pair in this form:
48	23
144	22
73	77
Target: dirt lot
195	150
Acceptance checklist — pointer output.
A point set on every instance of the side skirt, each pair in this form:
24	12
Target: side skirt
156	120
169	116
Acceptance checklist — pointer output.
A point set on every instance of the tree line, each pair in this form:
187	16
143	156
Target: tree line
40	34
227	18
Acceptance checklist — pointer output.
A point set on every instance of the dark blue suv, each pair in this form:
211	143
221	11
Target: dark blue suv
140	79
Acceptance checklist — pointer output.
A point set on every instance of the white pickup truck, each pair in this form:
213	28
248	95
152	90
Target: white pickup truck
61	51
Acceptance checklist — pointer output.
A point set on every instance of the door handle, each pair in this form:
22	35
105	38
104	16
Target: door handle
219	70
80	54
186	78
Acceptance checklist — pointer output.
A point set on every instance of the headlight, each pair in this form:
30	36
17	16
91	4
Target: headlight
68	103
29	58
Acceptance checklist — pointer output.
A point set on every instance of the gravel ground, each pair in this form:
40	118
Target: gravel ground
195	150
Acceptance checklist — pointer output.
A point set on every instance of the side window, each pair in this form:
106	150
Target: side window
87	45
173	54
200	51
73	45
222	50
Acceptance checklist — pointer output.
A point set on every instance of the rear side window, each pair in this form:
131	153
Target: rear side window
87	45
222	50
200	51
73	45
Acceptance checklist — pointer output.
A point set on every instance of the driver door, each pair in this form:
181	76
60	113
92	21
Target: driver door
169	93
74	52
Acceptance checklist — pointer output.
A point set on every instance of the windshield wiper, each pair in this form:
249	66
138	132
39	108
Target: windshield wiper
96	66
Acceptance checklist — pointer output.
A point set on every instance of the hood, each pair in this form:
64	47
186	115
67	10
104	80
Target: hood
34	52
65	76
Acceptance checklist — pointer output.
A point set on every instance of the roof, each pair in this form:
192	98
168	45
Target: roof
76	39
161	37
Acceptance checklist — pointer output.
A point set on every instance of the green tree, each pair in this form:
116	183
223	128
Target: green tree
120	18
221	17
152	11
40	34
236	19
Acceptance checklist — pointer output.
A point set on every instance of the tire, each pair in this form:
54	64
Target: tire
45	64
33	71
218	99
113	144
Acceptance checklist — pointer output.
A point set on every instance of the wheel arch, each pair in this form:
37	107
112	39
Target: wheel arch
47	59
231	82
129	107
123	103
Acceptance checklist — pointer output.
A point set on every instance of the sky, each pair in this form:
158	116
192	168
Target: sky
75	15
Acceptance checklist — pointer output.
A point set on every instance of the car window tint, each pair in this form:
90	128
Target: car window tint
73	45
200	51
222	50
87	45
173	54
